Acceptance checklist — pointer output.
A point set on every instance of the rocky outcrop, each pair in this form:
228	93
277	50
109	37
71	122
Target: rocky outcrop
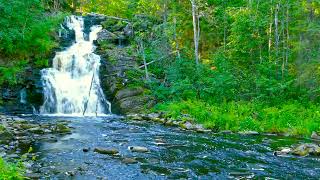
120	76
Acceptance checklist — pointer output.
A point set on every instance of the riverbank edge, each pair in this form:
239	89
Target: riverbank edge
189	124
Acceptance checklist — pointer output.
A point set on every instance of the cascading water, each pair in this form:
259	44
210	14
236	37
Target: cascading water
72	85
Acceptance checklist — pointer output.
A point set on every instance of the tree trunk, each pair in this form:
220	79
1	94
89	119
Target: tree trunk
270	31
276	22
175	37
144	60
195	31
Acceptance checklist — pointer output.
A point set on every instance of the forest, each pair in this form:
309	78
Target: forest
230	65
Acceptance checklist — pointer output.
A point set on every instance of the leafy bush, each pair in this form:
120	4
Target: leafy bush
10	171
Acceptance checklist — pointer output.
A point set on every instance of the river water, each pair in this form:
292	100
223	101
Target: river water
174	154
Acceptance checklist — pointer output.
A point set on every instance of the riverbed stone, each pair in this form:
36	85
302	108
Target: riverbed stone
5	135
187	125
283	152
36	130
306	149
108	151
129	161
315	136
86	149
139	149
251	133
62	128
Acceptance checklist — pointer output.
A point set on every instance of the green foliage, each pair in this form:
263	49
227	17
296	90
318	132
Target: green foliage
10	171
291	117
10	74
26	36
26	30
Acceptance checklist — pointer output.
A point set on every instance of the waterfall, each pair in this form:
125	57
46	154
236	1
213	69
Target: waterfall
72	85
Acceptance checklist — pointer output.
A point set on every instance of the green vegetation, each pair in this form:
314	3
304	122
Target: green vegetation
291	118
9	171
26	37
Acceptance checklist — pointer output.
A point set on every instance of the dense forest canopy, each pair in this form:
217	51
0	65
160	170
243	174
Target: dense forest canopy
259	58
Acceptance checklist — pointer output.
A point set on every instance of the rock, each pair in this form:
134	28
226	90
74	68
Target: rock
315	136
282	152
136	117
154	115
200	129
129	92
62	128
101	150
306	149
138	149
5	135
135	104
70	173
249	133
86	149
129	161
187	125
226	132
128	30
105	35
36	130
32	175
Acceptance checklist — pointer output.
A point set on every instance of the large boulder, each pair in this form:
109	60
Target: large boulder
306	149
129	92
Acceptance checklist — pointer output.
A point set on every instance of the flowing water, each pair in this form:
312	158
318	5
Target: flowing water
174	154
72	85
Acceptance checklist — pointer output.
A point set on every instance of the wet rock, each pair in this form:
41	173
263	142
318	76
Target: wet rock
283	152
251	133
105	35
36	130
306	149
129	161
13	156
315	136
200	129
135	104
70	173
50	139
226	132
129	92
136	117
33	176
138	149
5	135
187	125
111	151
86	149
62	128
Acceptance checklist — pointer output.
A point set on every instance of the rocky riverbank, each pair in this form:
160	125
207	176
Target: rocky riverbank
18	136
304	149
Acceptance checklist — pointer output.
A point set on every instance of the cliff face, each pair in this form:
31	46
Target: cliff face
120	76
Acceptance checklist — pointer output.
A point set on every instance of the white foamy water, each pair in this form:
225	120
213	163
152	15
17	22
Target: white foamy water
72	85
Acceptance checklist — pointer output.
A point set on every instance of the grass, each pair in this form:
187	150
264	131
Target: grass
10	171
292	118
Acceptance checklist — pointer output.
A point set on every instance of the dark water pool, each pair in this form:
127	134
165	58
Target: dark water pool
174	154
